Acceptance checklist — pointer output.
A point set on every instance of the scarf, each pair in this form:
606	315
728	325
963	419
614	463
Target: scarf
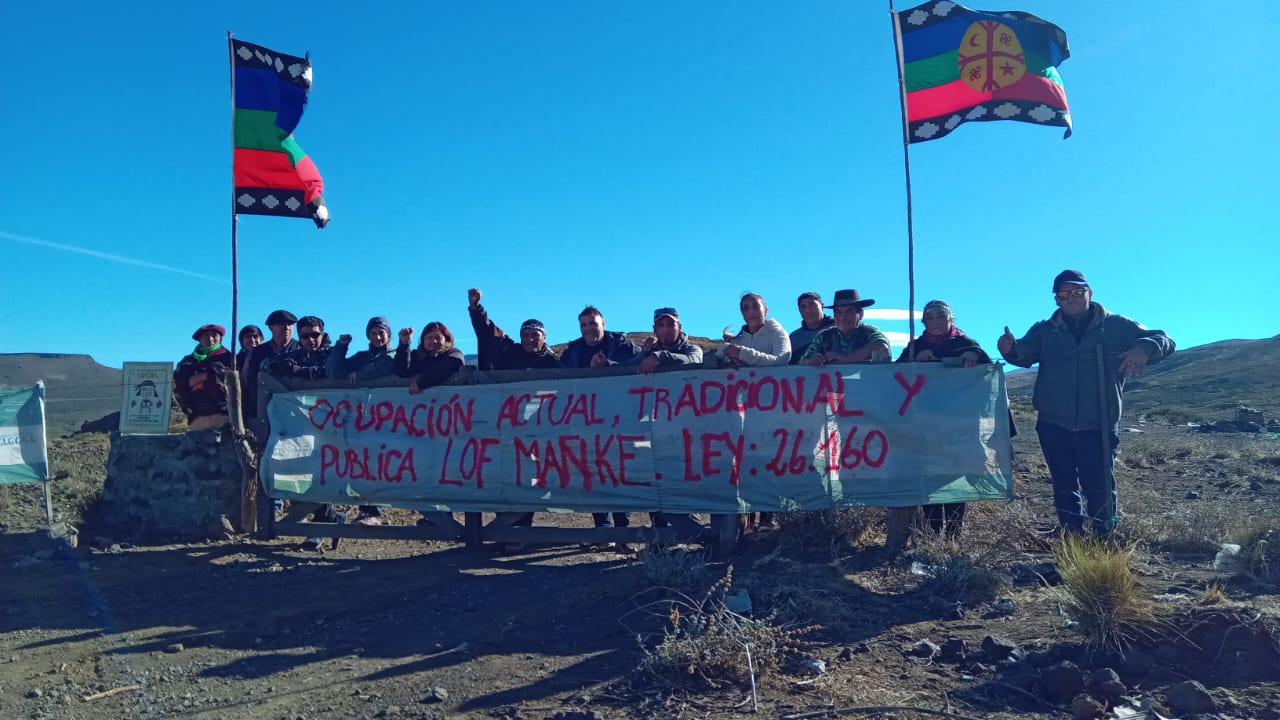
936	341
201	353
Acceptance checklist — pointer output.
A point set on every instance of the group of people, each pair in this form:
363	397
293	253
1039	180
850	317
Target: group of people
1085	354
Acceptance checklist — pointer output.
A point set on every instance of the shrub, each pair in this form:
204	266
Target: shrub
674	568
829	530
1100	593
705	643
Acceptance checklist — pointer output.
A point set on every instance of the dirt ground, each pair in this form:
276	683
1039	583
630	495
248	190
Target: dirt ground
242	629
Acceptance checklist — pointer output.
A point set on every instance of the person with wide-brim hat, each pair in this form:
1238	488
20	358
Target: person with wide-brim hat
199	381
848	341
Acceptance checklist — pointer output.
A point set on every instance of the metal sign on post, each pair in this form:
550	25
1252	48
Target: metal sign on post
148	398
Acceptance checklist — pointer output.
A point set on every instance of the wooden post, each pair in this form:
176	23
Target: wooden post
898	530
473	530
244	453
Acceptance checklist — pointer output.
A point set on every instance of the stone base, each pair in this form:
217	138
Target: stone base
171	487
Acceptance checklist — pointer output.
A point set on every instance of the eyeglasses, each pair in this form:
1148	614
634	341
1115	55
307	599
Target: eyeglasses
1072	293
310	335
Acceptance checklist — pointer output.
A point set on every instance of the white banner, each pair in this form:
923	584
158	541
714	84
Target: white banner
24	453
709	441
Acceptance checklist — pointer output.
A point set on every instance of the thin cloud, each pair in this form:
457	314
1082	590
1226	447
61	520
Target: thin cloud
122	259
897	339
888	314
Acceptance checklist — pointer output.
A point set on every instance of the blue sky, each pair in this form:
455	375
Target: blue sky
627	155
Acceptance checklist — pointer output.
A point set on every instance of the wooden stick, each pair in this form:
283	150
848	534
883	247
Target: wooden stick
109	693
244	455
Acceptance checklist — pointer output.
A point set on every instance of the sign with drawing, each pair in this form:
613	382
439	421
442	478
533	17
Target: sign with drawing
148	398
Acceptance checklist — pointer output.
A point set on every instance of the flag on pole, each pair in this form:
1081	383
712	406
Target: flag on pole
24	455
273	176
961	65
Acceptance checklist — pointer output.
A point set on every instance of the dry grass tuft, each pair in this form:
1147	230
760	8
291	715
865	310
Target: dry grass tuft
676	569
829	530
1100	593
706	644
1215	593
1259	556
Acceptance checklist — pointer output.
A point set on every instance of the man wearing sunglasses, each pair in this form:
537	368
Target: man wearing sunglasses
309	360
1085	355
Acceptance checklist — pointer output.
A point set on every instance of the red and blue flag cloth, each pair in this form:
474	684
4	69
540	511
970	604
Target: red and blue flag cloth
961	65
273	176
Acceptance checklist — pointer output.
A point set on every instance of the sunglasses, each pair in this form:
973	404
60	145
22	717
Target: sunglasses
310	335
1072	293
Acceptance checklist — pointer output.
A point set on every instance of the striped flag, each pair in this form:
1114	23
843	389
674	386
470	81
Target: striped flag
961	65
273	176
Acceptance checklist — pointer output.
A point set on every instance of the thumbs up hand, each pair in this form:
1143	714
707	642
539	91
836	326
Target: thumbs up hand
1006	341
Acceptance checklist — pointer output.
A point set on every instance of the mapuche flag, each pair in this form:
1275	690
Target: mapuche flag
961	65
273	176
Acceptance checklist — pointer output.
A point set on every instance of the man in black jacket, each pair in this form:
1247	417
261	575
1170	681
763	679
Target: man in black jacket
496	351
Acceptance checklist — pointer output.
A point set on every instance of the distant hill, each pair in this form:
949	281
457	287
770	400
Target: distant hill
1201	383
76	387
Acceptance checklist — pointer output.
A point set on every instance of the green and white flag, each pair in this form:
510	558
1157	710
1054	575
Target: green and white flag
24	454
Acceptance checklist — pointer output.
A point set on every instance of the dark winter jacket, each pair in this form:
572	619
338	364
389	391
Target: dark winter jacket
430	368
679	352
617	349
499	352
258	357
200	386
1067	384
951	347
303	363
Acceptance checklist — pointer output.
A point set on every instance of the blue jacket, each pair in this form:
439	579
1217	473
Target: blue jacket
615	346
802	336
366	364
1067	385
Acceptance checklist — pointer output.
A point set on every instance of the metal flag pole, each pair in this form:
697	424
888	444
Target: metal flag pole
906	158
235	251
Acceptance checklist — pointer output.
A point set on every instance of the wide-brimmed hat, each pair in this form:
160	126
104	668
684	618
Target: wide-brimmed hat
849	297
222	332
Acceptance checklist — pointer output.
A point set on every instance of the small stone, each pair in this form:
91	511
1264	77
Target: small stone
1190	698
174	648
923	649
435	695
998	647
845	654
35	693
1084	707
1193	495
1107	681
1004	606
1062	681
952	651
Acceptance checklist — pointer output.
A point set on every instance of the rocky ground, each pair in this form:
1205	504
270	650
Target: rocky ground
260	630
